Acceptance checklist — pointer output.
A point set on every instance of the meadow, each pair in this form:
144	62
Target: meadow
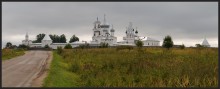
10	53
146	67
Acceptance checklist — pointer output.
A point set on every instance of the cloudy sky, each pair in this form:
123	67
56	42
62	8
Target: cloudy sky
187	22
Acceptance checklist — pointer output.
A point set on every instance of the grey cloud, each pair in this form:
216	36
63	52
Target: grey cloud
192	20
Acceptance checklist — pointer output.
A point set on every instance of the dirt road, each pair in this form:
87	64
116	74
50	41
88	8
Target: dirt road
22	70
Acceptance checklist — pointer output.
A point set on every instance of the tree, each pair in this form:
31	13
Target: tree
198	45
62	38
55	38
58	39
73	39
139	43
39	37
68	46
14	46
8	45
23	46
167	42
182	46
104	45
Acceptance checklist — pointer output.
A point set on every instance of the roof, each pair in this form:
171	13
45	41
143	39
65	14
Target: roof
112	30
205	42
148	39
78	42
59	43
36	43
46	37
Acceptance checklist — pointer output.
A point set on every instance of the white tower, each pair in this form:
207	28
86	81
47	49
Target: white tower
26	37
96	29
46	40
130	31
130	34
205	43
105	28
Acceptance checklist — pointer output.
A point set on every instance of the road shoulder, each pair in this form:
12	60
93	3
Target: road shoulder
38	81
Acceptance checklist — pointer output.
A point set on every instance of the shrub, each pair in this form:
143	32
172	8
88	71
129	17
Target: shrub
182	46
199	46
46	46
84	46
104	45
139	43
68	46
59	49
23	46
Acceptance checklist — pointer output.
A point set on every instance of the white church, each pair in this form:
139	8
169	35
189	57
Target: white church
132	35
102	33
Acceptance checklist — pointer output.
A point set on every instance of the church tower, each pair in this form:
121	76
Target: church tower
130	31
26	37
96	29
130	34
105	28
112	31
103	33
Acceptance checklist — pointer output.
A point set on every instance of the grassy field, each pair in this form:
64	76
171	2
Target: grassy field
10	53
149	67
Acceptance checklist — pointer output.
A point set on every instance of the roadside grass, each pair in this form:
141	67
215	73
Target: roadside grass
58	75
11	53
148	67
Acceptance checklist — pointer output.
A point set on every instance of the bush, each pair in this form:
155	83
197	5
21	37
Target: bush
23	46
84	46
46	46
59	49
139	43
104	45
182	46
68	46
199	46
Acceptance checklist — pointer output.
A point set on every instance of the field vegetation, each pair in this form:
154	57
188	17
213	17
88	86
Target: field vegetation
10	53
131	67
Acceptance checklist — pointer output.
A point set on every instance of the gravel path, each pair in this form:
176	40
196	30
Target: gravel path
20	71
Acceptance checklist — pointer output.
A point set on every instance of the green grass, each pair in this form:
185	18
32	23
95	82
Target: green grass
150	67
11	53
58	75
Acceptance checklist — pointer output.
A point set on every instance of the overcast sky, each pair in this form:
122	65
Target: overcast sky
186	22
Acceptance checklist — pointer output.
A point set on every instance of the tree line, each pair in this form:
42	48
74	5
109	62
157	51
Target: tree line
56	38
